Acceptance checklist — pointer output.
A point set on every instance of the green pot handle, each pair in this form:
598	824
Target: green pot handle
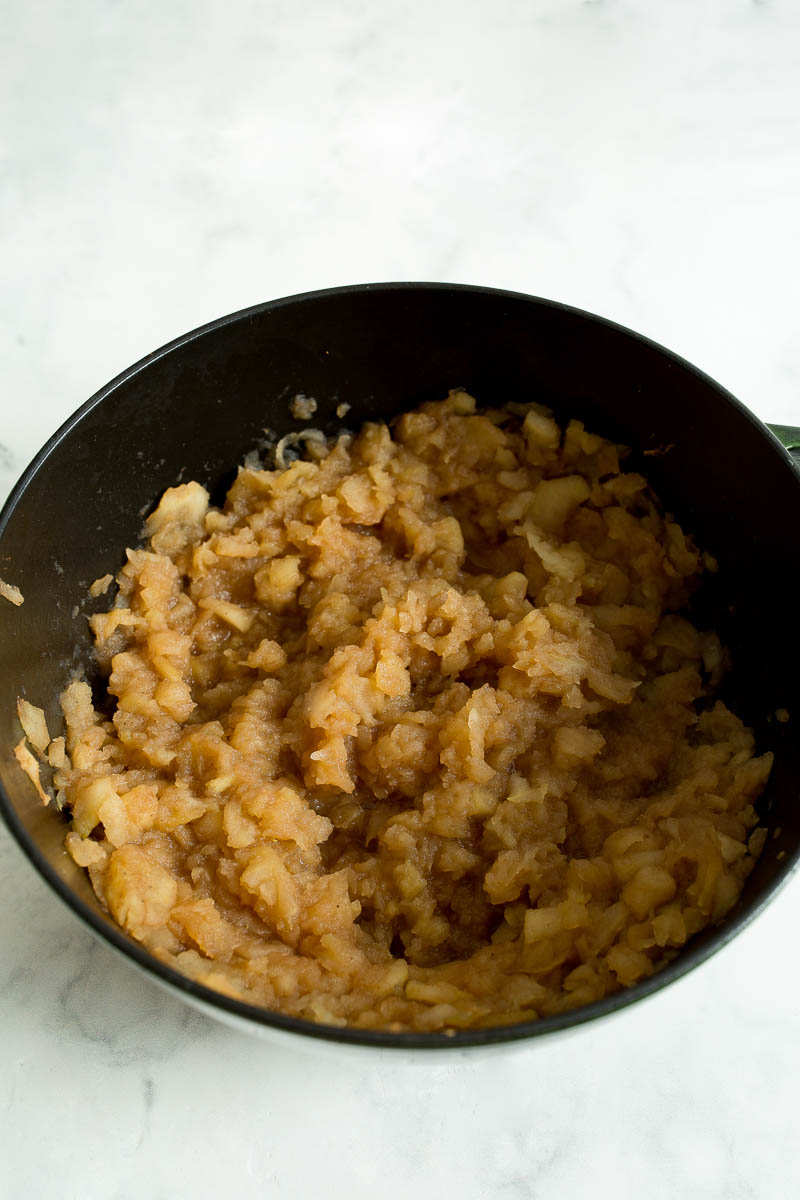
789	438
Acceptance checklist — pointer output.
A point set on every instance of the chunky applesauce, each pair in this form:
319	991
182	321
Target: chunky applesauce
410	734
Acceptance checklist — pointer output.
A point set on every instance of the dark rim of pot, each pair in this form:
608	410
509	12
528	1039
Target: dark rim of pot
685	961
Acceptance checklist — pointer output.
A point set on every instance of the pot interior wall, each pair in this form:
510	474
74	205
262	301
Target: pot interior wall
203	404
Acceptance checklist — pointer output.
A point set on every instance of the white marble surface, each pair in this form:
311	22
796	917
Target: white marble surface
163	163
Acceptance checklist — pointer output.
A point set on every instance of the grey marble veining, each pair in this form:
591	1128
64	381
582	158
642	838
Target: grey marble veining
161	164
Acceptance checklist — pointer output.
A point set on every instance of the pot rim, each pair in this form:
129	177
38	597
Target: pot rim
698	950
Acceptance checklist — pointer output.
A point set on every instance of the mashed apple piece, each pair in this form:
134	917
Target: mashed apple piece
413	736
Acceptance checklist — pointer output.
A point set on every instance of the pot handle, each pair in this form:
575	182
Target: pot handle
789	438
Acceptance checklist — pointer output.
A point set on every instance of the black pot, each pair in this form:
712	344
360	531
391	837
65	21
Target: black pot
194	408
